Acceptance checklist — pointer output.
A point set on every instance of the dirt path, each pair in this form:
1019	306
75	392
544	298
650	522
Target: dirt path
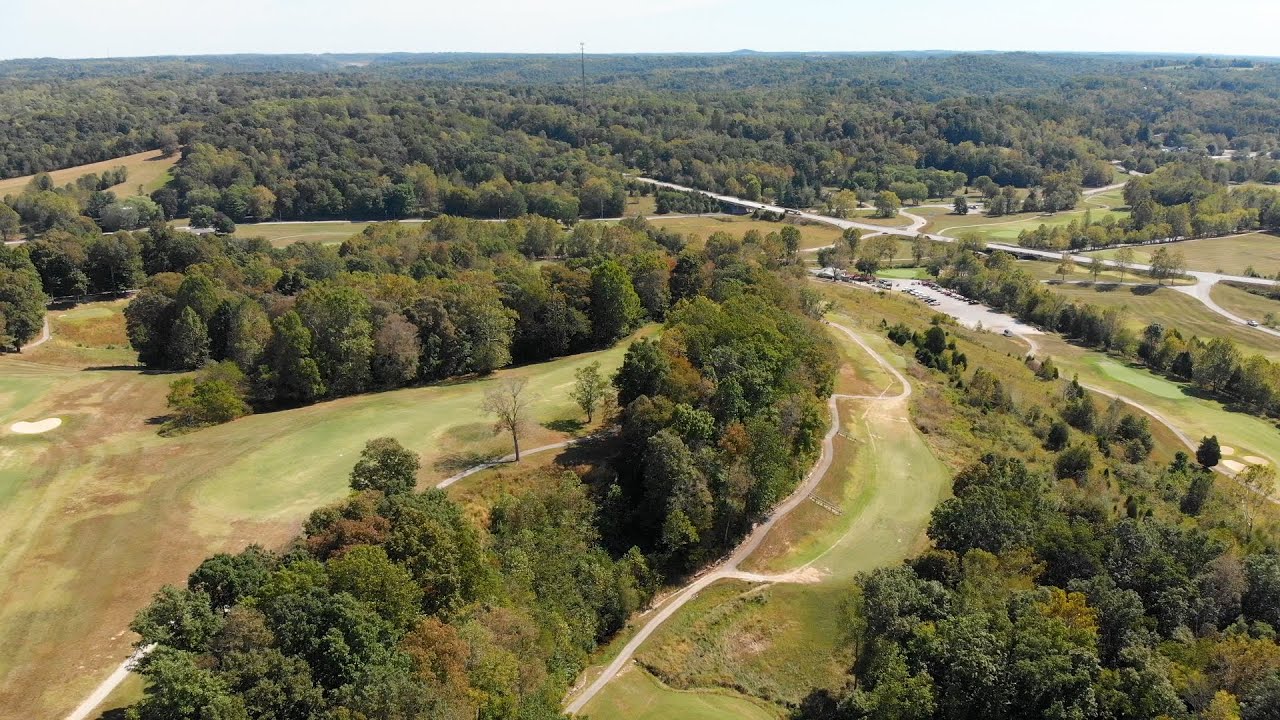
44	336
728	568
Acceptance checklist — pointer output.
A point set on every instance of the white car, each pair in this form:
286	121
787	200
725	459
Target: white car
1252	323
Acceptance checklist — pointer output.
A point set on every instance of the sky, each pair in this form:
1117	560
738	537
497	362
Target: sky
94	28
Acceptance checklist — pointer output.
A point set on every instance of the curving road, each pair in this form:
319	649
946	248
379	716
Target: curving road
1205	280
728	568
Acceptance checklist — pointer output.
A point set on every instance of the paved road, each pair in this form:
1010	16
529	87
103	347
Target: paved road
1205	279
728	568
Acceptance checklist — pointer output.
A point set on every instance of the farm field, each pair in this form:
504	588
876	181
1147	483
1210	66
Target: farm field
1230	255
1145	304
779	641
101	511
1244	303
811	235
147	169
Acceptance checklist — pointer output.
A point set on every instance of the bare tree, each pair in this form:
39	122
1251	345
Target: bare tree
1259	483
508	402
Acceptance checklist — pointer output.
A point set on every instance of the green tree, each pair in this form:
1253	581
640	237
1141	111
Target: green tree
188	341
291	373
178	618
339	320
367	574
22	301
1209	453
887	204
385	465
615	307
1066	266
589	388
1124	260
644	371
178	687
961	205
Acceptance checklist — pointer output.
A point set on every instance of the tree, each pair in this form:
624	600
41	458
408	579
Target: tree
385	465
1124	260
961	205
369	575
10	223
1096	267
1257	482
1066	266
114	263
1167	264
179	618
291	373
887	204
202	216
644	371
920	246
589	388
843	202
1209	452
396	351
510	405
22	301
223	224
615	306
188	341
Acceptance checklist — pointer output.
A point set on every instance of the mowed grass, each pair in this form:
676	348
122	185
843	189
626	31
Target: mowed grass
1244	303
1145	304
1048	270
1194	416
636	695
146	169
96	515
281	234
1233	255
812	235
1007	228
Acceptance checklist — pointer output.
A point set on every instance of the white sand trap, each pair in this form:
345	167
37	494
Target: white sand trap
1254	460
1233	465
35	428
1227	450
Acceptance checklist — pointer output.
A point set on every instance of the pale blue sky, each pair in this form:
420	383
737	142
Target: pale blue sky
98	28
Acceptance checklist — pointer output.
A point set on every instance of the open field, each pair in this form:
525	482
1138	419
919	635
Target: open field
147	169
1048	270
640	205
811	235
1233	255
1145	304
281	234
100	512
1245	304
869	217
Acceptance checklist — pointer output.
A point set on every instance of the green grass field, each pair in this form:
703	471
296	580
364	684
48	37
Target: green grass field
1007	228
1146	304
1245	304
1231	255
869	217
1048	270
100	512
146	169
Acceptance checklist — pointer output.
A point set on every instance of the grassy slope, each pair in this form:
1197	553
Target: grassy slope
147	169
1244	303
1230	255
637	695
779	642
1147	304
98	514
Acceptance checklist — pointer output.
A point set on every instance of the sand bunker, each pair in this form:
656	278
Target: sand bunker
35	428
1226	450
1254	460
1233	465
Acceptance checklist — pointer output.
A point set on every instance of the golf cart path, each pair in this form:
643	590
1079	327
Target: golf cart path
728	568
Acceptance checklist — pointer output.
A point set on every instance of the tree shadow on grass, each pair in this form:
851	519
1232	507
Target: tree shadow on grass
457	462
565	425
1144	290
